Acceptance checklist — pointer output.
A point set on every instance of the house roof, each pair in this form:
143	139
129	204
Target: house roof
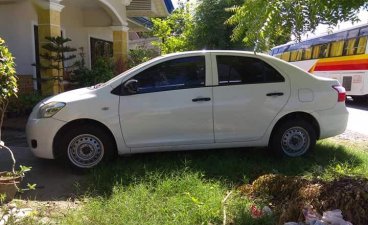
145	21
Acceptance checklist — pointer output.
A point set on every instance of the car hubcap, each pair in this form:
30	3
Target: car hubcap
85	151
295	141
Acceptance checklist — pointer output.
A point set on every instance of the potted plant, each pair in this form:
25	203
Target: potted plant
8	84
9	180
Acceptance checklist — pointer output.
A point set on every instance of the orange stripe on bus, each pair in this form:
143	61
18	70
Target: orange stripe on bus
359	62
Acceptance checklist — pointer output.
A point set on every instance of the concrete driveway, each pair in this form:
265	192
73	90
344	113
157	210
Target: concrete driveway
54	180
358	117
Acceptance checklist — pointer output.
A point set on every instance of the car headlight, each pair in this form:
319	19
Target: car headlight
50	109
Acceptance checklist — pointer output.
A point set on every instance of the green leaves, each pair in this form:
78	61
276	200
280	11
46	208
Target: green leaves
174	31
102	71
140	55
203	27
264	23
57	53
8	79
210	30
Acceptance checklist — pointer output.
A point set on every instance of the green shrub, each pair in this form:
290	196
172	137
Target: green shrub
102	71
23	105
140	55
8	79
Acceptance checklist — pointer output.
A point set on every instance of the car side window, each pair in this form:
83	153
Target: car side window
175	74
245	70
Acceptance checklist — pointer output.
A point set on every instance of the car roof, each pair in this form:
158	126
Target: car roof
230	52
216	51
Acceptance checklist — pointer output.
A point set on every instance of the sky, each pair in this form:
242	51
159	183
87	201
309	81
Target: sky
323	29
175	3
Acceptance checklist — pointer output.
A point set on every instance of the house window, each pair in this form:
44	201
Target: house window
100	48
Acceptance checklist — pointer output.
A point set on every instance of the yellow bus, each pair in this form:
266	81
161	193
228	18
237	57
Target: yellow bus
342	55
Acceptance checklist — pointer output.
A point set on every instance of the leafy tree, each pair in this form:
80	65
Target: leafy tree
210	31
56	56
201	27
174	31
267	23
8	79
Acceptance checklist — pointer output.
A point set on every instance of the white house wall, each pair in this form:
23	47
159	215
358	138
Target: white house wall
96	17
16	22
73	26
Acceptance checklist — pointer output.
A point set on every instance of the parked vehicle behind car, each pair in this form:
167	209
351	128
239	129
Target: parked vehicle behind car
190	100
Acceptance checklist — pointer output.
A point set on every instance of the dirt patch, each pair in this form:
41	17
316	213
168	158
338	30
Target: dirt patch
290	194
349	135
352	139
35	212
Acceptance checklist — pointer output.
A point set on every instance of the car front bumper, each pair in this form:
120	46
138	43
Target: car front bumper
40	135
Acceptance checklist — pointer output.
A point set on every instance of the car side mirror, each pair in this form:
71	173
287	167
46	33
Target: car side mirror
131	87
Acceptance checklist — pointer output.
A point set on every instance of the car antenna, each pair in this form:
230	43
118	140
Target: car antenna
255	47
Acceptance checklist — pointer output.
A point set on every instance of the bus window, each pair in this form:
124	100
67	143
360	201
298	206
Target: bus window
350	46
293	56
336	48
324	50
307	53
285	56
299	55
362	45
316	50
353	33
363	31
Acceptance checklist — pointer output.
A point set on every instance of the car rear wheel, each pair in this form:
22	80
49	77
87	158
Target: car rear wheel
86	146
293	138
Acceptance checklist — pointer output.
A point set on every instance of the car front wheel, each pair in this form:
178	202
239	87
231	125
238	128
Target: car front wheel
293	138
86	146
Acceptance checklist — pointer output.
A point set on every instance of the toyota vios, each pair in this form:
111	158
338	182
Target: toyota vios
190	100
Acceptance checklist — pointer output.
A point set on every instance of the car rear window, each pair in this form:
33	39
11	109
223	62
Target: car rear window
245	70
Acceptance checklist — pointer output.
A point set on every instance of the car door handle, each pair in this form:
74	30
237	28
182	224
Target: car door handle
201	99
275	94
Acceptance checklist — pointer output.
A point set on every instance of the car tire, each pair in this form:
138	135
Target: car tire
86	146
293	138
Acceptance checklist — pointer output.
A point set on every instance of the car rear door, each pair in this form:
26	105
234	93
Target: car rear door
173	104
248	96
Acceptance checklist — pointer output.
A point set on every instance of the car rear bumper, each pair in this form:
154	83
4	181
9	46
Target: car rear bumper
332	121
40	135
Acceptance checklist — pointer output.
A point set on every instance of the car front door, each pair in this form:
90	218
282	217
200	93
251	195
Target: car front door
170	104
249	95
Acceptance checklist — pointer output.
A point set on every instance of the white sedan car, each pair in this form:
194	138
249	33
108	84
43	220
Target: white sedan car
190	100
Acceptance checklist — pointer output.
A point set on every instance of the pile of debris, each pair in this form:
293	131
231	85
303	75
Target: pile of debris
289	195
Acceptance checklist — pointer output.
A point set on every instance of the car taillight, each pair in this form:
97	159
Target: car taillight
341	93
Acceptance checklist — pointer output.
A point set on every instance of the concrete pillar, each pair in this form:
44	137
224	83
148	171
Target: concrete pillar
120	47
48	12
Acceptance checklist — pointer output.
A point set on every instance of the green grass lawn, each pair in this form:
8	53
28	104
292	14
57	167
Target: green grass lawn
189	187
